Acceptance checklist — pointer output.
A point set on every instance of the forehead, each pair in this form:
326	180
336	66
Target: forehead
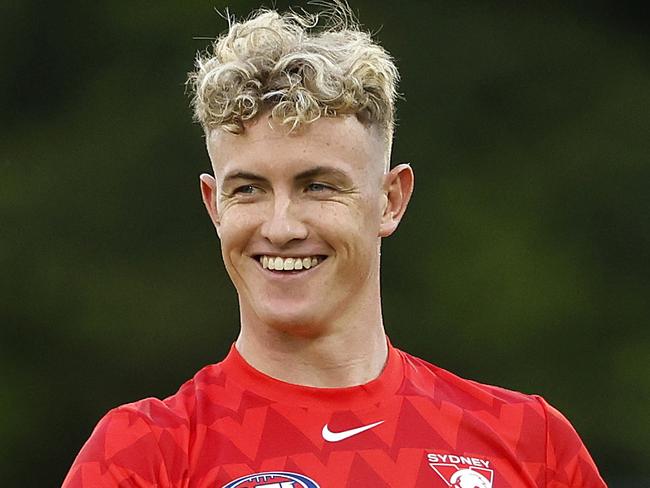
264	145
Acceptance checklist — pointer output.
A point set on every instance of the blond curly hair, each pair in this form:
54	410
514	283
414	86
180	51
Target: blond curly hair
297	67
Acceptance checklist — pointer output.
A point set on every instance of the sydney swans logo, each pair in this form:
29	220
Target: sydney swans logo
462	471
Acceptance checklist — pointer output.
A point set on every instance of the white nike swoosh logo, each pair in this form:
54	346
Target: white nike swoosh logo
330	436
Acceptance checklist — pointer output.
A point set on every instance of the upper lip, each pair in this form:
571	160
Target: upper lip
284	254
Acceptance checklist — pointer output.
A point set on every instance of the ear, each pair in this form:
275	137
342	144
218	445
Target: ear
398	187
209	195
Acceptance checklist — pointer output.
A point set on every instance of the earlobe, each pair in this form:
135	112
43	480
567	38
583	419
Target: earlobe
209	194
398	188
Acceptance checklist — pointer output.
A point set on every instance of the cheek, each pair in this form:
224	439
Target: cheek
368	215
236	229
352	228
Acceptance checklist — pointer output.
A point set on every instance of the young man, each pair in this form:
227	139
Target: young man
299	125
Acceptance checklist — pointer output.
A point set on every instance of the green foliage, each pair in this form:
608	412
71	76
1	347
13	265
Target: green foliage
527	239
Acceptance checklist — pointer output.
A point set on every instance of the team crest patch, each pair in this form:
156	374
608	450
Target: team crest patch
273	479
462	471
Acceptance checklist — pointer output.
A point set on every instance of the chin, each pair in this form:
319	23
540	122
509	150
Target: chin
294	322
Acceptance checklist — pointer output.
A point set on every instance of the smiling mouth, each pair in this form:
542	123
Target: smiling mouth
277	263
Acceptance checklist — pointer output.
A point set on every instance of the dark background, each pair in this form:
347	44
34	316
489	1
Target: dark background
523	260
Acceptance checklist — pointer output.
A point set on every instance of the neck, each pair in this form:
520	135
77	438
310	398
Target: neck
346	356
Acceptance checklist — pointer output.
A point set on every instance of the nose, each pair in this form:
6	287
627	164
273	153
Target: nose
284	224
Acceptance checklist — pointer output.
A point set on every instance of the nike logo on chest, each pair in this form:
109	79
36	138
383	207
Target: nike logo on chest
330	436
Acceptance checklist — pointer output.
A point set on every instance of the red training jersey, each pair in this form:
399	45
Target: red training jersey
416	425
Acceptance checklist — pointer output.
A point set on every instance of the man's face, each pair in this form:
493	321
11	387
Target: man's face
300	217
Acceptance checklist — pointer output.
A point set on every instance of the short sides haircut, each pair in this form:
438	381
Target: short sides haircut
297	67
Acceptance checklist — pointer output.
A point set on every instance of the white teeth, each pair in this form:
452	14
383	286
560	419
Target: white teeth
277	263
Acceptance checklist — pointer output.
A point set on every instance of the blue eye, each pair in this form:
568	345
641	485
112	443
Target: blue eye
245	189
317	187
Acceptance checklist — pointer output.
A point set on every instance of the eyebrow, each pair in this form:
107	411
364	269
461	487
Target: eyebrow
304	175
243	175
322	171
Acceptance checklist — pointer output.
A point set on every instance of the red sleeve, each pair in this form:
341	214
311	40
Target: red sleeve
123	451
568	463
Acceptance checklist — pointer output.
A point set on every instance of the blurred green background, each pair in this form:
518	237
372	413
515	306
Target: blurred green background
524	259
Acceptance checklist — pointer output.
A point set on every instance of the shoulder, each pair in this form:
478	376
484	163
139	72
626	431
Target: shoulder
524	423
424	378
145	442
174	413
506	417
178	409
137	444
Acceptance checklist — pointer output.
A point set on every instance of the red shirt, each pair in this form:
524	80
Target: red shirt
416	425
